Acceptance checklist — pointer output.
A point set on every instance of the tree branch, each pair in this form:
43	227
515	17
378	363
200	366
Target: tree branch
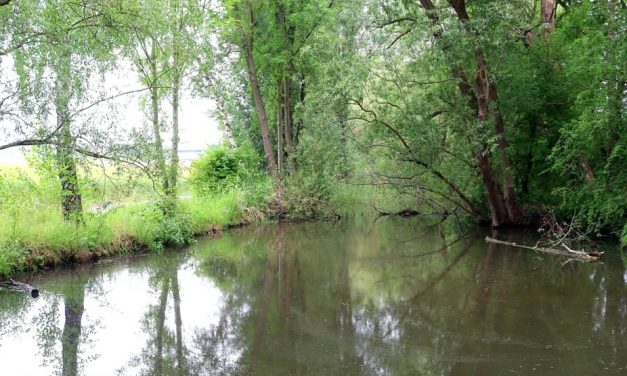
93	104
396	20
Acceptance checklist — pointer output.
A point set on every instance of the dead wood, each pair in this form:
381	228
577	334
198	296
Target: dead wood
20	286
566	252
403	213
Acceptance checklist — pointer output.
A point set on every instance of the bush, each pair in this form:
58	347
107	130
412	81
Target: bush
11	257
173	229
308	195
221	168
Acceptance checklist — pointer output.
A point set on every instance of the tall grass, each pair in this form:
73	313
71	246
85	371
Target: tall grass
33	233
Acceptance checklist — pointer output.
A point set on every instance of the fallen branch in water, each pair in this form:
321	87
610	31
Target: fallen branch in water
20	286
567	252
403	213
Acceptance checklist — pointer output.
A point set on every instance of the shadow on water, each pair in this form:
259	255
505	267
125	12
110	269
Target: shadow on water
394	297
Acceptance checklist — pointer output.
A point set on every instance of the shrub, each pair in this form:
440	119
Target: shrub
221	168
308	195
173	229
11	256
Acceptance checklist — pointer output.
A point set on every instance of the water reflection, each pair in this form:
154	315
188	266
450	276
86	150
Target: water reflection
395	297
74	306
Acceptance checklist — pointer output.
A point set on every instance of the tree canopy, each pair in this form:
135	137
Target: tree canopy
499	111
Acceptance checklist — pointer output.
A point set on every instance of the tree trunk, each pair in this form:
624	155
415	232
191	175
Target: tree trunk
342	117
174	159
488	104
154	103
279	126
228	128
223	113
495	197
71	202
302	95
585	165
498	212
288	116
70	338
174	162
549	8
71	205
284	88
247	46
260	109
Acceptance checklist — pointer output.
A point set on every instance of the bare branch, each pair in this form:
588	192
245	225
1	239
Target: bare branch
396	21
400	36
93	104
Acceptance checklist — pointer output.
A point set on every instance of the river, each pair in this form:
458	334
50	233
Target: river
394	296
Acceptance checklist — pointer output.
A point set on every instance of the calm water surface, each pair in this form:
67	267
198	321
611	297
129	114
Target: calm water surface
346	298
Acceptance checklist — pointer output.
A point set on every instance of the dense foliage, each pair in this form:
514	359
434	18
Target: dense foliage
222	168
496	111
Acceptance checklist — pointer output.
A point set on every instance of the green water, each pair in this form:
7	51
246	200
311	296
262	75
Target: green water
348	298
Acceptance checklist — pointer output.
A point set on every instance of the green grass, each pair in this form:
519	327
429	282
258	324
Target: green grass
40	237
208	213
34	235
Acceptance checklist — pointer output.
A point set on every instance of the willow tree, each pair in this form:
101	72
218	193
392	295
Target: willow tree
58	48
484	100
500	104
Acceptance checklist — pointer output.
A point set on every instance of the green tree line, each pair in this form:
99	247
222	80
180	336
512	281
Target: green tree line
498	111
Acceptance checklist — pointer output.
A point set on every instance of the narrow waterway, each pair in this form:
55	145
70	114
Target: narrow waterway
361	297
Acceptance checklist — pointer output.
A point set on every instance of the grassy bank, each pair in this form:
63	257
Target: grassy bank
120	216
126	217
38	237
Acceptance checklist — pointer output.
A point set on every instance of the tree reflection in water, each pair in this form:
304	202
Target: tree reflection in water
74	302
165	352
349	298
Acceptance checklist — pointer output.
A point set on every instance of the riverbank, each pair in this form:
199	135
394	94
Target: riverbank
40	239
35	237
330	283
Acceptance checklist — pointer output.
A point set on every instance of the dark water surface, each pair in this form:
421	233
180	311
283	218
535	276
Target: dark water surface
346	298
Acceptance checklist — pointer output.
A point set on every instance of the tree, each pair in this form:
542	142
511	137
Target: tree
246	43
65	49
163	51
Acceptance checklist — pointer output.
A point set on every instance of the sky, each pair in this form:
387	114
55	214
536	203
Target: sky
198	129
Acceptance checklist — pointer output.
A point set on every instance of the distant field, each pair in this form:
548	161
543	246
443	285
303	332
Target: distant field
12	157
15	158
